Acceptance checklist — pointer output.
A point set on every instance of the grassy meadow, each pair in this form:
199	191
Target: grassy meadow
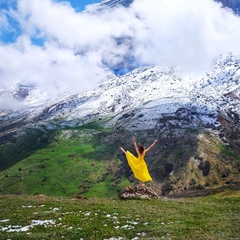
41	217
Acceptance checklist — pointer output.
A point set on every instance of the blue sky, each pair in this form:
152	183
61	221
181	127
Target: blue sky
8	36
79	5
58	47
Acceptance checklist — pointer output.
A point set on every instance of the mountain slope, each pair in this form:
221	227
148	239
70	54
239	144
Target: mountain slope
142	90
196	120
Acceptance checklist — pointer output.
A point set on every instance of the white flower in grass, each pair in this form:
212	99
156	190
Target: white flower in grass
87	214
56	209
127	226
132	222
142	234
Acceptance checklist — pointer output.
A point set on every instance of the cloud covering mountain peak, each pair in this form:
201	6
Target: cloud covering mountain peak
79	48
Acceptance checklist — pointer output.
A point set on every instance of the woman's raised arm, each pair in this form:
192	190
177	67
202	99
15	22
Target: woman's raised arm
155	141
135	144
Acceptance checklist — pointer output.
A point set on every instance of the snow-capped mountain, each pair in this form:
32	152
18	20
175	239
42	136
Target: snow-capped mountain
143	90
106	4
194	117
139	99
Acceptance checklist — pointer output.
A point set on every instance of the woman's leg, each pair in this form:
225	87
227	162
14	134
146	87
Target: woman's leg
141	183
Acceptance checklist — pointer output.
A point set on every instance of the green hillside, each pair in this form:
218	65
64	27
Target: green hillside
73	162
86	161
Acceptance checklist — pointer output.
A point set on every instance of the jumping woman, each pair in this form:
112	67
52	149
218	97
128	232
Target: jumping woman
138	164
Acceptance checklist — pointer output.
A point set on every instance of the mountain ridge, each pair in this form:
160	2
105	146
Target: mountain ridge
195	119
142	87
106	4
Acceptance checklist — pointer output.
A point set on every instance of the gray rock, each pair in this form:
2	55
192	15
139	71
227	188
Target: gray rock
140	191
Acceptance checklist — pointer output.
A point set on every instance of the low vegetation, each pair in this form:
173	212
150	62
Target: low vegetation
86	161
73	162
41	217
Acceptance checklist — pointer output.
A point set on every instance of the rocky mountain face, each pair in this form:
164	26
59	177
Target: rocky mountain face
106	4
196	120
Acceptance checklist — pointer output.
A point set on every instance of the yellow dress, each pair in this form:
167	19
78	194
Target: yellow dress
138	166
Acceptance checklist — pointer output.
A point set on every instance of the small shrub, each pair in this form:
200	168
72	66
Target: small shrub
206	168
166	188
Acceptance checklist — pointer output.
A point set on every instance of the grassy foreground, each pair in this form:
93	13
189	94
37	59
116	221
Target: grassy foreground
41	217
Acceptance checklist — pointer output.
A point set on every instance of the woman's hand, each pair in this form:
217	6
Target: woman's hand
133	139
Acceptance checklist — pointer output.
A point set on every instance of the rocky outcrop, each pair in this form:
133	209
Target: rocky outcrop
140	191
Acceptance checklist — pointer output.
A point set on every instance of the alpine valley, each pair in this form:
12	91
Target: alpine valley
70	145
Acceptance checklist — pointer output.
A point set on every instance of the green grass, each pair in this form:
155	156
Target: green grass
102	189
228	152
95	125
73	163
213	217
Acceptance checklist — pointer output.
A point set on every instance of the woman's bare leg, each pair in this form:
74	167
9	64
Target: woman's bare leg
142	183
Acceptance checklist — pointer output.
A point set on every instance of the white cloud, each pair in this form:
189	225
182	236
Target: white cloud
7	101
187	33
47	67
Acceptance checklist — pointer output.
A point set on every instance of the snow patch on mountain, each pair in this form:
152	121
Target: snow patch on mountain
141	98
106	4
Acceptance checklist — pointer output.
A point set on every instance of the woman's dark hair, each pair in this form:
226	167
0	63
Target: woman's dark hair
141	149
